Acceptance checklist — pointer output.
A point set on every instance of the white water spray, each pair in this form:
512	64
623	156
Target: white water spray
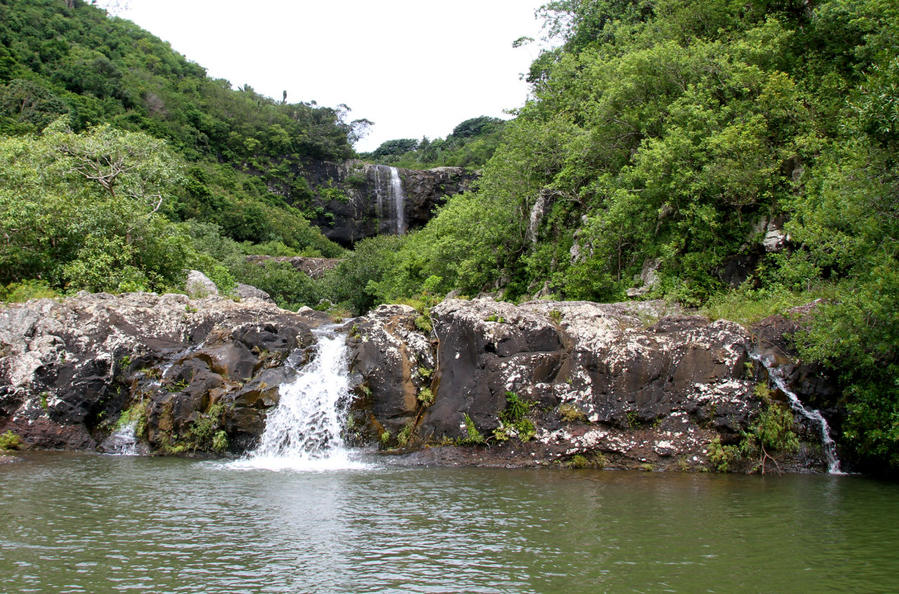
777	376
399	199
379	195
123	441
304	431
389	193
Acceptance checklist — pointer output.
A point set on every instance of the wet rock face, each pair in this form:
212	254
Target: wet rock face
357	200
773	339
68	369
637	383
608	361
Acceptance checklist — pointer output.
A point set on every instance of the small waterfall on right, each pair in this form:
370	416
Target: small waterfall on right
777	376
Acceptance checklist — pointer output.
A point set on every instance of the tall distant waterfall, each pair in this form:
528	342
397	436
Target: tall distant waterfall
777	376
399	200
390	195
303	431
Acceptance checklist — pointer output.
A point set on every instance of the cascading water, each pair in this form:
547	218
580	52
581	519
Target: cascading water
123	441
379	194
389	193
304	431
399	199
777	376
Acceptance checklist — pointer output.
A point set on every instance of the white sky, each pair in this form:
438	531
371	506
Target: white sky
413	67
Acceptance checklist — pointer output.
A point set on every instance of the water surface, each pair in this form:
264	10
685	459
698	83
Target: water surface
104	523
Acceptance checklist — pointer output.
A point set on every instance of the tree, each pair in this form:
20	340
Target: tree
80	210
137	165
395	147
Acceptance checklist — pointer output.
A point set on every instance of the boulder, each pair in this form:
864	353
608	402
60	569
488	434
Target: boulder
250	292
393	361
198	285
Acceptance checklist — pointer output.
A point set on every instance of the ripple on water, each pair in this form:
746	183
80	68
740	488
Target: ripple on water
95	523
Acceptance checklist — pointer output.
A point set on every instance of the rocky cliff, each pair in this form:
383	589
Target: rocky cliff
354	200
636	385
633	385
186	369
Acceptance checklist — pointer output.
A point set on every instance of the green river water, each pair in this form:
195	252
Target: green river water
76	523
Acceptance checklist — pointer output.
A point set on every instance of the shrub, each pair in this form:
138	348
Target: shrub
426	397
10	441
26	290
578	461
473	436
402	438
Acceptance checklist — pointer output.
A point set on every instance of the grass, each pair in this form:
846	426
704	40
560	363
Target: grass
136	413
473	436
747	306
405	434
26	290
570	413
595	460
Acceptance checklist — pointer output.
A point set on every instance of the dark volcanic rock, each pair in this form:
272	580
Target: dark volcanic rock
395	361
637	383
69	368
773	339
631	385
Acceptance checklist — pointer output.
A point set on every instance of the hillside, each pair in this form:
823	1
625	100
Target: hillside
469	145
235	146
734	156
738	156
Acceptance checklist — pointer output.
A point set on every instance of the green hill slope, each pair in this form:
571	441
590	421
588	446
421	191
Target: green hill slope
92	69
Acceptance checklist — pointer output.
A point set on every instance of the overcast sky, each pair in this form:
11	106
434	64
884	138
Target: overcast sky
414	67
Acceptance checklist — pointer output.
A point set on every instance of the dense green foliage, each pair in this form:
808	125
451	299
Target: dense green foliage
81	210
93	69
672	132
109	139
470	144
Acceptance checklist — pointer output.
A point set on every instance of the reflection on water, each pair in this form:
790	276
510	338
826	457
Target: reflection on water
89	523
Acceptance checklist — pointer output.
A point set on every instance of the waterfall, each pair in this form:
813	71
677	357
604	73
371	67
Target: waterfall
122	441
399	200
389	193
777	376
303	432
379	195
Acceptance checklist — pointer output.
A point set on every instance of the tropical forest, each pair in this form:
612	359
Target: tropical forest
694	217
